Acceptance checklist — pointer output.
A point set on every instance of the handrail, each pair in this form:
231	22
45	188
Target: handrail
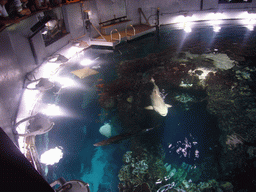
140	11
111	35
111	21
99	32
130	33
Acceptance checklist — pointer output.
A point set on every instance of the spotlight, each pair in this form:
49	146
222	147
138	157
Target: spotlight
216	29
52	110
86	62
52	156
187	29
250	27
65	82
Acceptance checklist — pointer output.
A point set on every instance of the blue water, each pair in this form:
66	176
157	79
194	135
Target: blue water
77	134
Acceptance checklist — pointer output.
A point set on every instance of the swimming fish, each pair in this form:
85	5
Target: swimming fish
121	137
157	102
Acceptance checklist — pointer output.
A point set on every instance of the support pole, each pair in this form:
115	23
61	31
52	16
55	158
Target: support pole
157	20
201	5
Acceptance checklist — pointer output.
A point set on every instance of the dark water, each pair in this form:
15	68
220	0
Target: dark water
99	166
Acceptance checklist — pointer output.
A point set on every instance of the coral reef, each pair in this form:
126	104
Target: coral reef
220	77
141	166
189	186
184	98
232	100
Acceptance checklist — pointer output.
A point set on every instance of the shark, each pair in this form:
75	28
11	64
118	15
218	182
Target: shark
157	102
121	137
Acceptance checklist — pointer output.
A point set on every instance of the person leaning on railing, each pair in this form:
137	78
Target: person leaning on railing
4	15
15	9
11	11
3	12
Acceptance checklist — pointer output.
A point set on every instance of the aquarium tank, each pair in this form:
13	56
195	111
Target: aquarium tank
173	110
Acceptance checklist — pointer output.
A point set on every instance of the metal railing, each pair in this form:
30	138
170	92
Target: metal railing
130	34
111	35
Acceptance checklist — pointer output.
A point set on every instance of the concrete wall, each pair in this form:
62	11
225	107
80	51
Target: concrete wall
19	34
169	8
11	81
74	19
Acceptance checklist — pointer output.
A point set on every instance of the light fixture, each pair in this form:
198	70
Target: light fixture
51	110
250	27
187	29
69	186
64	81
72	51
52	156
38	124
58	58
216	29
218	16
42	84
86	62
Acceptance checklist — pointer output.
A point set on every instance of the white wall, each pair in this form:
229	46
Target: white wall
170	8
19	34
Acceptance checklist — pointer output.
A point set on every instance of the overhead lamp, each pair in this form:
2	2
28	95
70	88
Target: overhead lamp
38	124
